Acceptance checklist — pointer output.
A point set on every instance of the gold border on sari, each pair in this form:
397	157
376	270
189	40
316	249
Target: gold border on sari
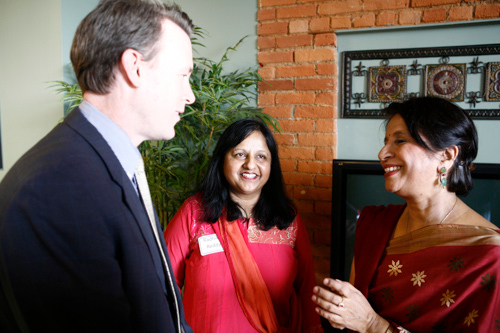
443	235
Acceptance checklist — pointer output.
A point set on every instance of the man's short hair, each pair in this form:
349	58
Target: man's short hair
113	27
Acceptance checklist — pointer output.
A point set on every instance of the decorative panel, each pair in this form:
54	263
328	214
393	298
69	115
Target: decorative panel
466	75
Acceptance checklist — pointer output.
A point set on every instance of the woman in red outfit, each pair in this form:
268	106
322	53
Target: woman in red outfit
238	247
430	265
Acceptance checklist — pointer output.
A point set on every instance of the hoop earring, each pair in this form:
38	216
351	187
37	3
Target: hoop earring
442	177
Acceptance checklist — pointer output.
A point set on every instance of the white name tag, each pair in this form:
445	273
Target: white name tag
209	244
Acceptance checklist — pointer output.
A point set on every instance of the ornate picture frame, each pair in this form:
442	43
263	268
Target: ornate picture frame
466	75
446	81
387	83
492	82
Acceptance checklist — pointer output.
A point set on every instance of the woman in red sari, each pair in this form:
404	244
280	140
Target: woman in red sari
238	247
431	265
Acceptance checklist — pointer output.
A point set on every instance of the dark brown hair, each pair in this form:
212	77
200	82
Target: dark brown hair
273	208
443	125
113	27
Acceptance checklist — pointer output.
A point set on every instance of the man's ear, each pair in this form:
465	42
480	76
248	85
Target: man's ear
130	63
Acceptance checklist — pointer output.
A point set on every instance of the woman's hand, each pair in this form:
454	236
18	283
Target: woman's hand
345	307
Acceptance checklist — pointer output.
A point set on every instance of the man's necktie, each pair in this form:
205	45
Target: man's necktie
142	184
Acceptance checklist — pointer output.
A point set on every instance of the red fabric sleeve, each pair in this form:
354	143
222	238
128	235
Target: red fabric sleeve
305	279
177	237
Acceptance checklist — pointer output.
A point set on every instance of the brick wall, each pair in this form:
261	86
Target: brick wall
298	58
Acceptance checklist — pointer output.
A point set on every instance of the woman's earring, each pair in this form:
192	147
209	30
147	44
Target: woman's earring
442	176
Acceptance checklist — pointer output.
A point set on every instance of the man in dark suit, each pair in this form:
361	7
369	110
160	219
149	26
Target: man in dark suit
78	252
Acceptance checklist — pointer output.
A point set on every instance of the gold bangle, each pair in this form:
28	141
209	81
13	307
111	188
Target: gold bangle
389	329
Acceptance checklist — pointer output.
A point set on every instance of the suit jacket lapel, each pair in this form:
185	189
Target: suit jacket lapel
80	124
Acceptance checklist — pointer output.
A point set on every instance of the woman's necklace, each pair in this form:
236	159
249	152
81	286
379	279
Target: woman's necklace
248	215
451	210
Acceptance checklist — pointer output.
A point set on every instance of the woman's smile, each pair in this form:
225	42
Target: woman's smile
247	166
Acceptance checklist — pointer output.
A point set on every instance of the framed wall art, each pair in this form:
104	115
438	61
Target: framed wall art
387	83
492	82
466	75
445	81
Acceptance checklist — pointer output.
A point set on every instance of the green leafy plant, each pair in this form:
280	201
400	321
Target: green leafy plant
72	94
176	167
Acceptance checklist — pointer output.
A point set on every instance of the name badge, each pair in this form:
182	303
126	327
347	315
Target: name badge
209	244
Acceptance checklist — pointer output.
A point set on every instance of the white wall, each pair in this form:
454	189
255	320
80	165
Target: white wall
226	21
362	138
30	57
72	13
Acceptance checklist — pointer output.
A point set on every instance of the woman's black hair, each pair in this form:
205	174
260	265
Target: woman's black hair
443	125
273	207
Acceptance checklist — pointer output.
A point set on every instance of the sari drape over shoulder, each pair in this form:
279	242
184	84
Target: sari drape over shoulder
210	300
440	278
251	289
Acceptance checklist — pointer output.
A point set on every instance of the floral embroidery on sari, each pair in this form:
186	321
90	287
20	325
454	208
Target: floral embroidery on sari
470	317
273	235
413	312
448	298
439	328
456	292
200	229
418	278
488	282
394	268
387	294
456	264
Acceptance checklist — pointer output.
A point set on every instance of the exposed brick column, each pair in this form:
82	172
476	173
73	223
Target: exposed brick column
298	58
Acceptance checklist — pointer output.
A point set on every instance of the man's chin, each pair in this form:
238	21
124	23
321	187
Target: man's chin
169	136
